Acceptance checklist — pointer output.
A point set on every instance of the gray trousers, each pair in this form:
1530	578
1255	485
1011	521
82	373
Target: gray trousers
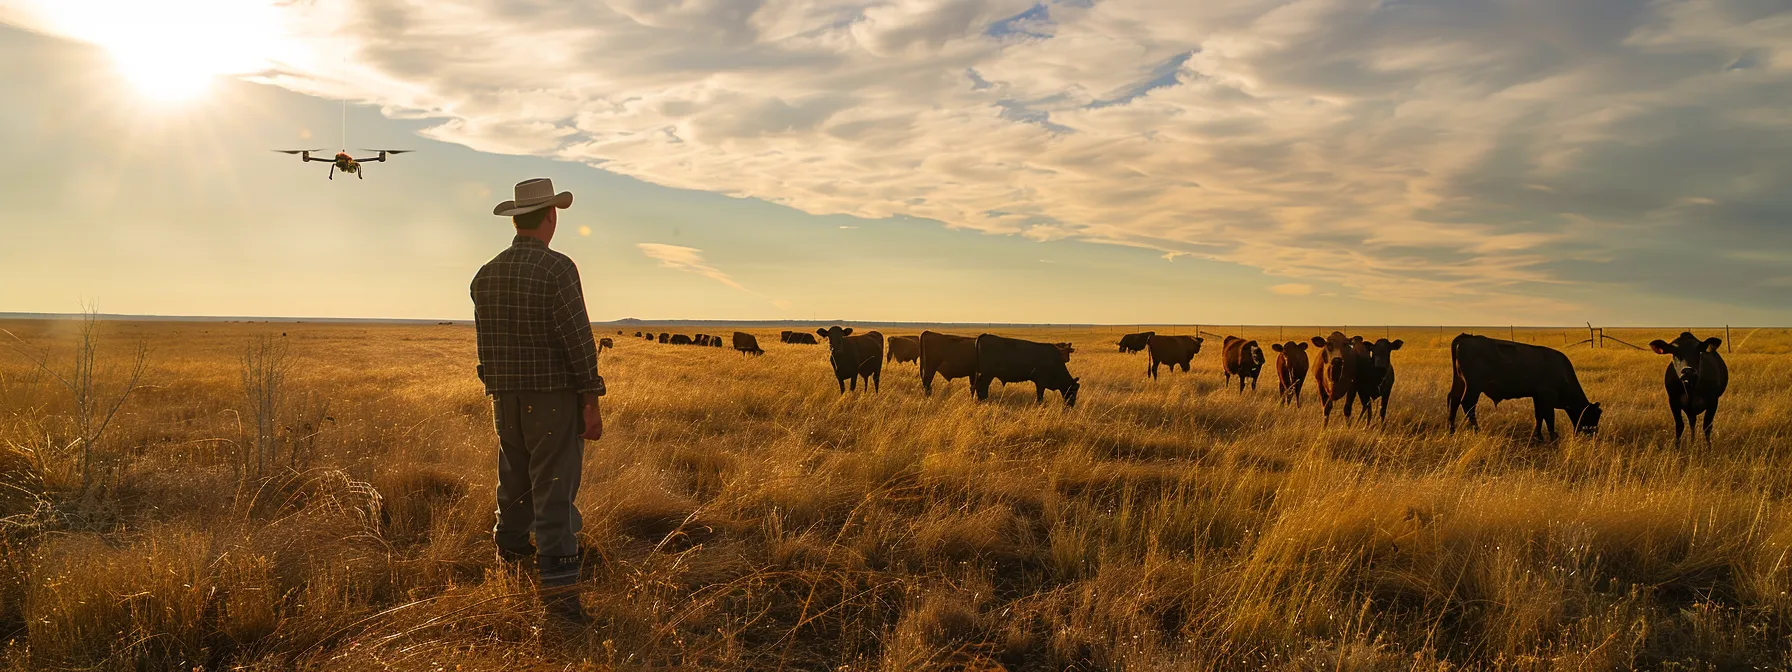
540	458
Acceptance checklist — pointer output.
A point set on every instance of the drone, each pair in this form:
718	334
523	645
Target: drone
343	161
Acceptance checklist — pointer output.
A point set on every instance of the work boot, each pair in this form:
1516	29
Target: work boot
560	590
516	560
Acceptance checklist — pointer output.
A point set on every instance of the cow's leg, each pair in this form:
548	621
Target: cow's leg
1185	365
877	380
1327	401
1038	392
842	383
1151	369
1710	414
1384	409
1347	399
927	381
980	386
1679	424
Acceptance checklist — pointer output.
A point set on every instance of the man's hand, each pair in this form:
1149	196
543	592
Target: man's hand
594	419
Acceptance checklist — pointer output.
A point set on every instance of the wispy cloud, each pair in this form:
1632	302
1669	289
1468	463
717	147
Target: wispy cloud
687	259
1292	289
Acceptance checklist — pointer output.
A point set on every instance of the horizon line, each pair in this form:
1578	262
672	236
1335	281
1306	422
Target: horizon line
128	317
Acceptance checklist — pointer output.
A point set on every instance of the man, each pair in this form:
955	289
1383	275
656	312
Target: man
539	364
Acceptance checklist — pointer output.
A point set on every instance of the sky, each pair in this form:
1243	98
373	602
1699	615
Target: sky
1075	161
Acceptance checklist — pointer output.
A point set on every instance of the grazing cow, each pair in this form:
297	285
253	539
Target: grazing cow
1136	342
803	338
649	337
665	337
784	336
855	357
949	356
1065	349
605	344
1508	370
1696	377
1336	371
1243	359
745	344
1291	367
1375	375
1172	350
681	339
904	349
1012	360
700	339
715	342
637	334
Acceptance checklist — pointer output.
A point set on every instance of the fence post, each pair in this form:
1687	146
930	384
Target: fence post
1728	346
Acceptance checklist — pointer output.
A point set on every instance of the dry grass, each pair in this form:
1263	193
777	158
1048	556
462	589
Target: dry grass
741	514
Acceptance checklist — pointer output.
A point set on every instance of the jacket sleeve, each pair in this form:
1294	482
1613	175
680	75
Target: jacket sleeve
573	327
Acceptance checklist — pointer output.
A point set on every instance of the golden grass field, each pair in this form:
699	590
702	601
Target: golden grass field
742	514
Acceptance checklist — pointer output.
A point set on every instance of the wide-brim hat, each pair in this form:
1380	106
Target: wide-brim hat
532	195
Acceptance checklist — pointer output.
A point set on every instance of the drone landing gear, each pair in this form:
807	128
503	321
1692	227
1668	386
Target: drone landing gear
332	172
359	176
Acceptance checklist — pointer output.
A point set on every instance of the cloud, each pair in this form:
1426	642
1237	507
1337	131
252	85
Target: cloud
687	259
1504	157
1292	289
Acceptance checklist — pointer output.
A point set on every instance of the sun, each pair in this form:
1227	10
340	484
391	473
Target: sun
172	50
167	76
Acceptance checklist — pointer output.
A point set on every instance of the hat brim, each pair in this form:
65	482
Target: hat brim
563	200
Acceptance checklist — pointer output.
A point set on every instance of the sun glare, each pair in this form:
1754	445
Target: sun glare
172	51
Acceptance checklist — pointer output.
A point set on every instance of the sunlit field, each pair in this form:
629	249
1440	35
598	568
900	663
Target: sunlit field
743	514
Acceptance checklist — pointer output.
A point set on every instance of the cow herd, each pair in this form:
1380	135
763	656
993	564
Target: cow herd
1352	369
1346	370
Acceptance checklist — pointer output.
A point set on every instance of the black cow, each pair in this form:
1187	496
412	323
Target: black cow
1509	370
1172	350
1012	360
1696	377
1136	342
745	344
855	357
665	337
803	338
681	339
1375	375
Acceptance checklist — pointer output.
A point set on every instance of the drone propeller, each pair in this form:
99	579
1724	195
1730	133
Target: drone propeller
389	151
296	151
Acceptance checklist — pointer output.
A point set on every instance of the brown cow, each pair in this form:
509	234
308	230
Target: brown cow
1065	349
803	338
1172	350
605	344
745	344
1243	359
715	341
904	349
1375	375
1291	367
1336	371
1510	370
1136	342
665	337
855	357
949	356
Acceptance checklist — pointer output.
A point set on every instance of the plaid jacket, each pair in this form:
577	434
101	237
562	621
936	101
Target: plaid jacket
533	332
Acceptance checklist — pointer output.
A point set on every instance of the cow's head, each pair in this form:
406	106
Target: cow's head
1689	355
1381	352
1290	347
1253	358
1064	350
1336	349
1071	390
834	333
1198	341
1588	422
